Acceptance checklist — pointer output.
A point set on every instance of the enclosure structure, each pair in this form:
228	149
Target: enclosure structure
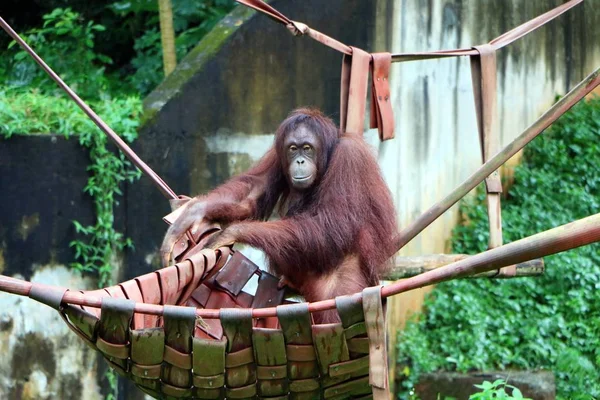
146	333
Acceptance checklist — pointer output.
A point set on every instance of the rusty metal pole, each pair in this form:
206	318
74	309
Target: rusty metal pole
558	109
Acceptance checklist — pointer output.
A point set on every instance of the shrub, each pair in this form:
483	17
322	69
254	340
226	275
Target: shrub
550	322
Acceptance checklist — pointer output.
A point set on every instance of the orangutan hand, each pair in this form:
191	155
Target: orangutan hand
226	237
191	217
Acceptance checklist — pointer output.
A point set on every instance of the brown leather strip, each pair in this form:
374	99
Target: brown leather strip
268	293
375	321
243	392
147	346
358	345
197	268
267	372
348	367
146	371
132	292
120	351
267	10
344	90
185	272
209	356
179	325
85	322
304	385
300	352
297	28
295	323
169	284
237	326
484	77
382	114
239	358
150	289
357	92
83	336
236	273
177	358
120	366
531	25
330	345
115	320
211	261
355	330
484	87
349	389
175	391
498	42
209	382
328	41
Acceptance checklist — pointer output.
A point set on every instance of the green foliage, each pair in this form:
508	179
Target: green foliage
191	21
32	112
66	43
497	390
550	322
69	43
112	378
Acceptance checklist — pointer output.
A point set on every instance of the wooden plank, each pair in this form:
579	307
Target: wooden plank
406	267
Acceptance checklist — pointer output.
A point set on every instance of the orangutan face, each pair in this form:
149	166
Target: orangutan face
302	151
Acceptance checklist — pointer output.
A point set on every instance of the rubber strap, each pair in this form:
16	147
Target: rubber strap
49	295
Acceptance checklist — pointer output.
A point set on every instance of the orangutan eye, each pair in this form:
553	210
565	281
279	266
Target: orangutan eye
306	147
293	148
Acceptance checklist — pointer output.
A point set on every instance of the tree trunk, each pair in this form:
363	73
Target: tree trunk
167	36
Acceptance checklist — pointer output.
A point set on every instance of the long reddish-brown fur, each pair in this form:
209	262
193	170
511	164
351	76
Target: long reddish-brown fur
332	239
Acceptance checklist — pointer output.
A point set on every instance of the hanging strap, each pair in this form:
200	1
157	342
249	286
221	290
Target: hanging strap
499	42
297	28
483	70
353	91
382	114
137	161
268	11
483	73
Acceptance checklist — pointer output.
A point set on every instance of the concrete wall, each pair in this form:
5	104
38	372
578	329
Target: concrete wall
41	181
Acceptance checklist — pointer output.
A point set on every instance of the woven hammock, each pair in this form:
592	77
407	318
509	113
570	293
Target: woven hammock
179	355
